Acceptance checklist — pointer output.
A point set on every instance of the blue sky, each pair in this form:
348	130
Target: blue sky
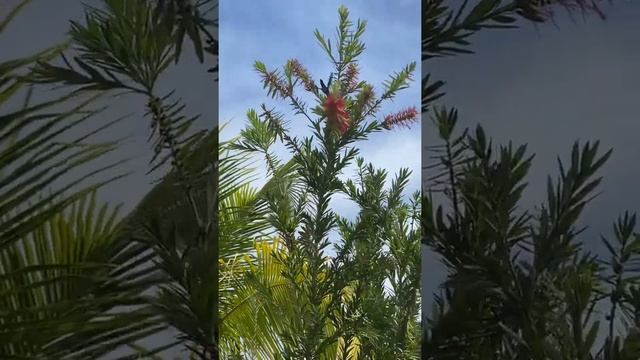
278	30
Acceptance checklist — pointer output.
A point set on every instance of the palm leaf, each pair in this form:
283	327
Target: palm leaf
62	267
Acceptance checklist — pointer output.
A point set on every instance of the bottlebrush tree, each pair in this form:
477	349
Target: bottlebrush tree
362	299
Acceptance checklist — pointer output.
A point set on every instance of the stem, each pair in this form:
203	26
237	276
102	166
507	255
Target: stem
204	229
166	136
298	106
454	191
318	227
612	311
271	166
611	323
281	132
373	108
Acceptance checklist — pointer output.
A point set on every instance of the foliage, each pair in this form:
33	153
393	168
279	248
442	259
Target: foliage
521	284
63	266
344	307
79	281
542	288
122	45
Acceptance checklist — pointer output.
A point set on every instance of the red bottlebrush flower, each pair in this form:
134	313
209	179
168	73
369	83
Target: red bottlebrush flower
401	118
302	74
365	98
337	116
351	77
277	84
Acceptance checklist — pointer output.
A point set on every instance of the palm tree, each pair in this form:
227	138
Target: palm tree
64	270
76	276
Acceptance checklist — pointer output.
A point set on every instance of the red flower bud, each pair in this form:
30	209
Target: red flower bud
401	118
337	116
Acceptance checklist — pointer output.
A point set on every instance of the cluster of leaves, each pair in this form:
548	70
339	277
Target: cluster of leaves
520	283
65	273
344	308
78	279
